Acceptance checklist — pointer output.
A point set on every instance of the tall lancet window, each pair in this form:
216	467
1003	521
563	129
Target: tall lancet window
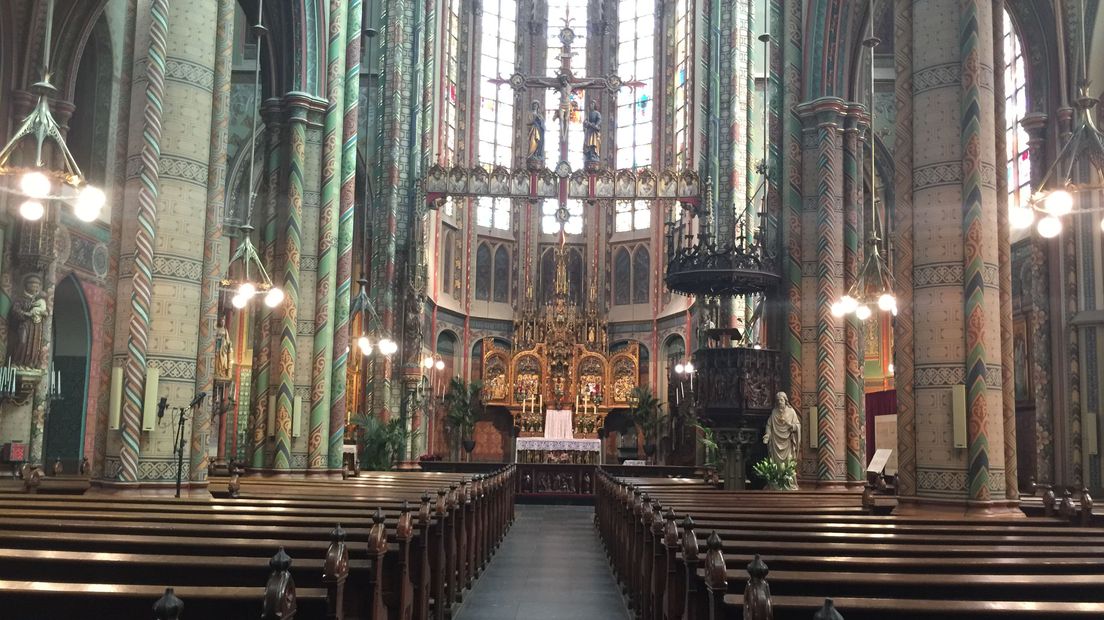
450	83
496	101
1015	108
684	80
575	12
635	61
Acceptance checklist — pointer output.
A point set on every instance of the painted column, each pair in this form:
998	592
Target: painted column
902	235
345	235
1035	123
956	302
212	235
141	280
322	364
823	266
853	220
263	332
297	105
164	288
792	208
1004	260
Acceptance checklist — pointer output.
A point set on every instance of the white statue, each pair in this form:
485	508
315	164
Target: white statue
783	436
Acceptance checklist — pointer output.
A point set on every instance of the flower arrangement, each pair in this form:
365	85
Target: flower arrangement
778	476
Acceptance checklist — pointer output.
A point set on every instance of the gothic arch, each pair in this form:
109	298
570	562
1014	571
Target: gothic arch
834	31
72	356
73	30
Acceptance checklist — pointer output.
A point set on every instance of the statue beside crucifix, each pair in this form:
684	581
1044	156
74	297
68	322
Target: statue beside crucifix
592	140
566	84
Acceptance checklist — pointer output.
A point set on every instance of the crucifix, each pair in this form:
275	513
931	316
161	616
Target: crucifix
565	82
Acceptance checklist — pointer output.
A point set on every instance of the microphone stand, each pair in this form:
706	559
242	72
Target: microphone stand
178	443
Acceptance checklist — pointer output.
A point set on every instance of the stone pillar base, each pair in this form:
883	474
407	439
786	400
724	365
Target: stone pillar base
957	509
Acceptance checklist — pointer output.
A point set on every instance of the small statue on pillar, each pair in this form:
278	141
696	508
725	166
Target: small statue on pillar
224	352
28	323
592	137
536	135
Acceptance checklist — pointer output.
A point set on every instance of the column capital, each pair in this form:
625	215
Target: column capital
1034	123
822	111
303	107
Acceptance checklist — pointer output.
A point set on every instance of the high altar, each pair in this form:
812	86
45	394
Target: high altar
559	362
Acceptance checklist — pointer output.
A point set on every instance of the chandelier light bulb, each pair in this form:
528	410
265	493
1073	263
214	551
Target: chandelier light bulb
757	346
1049	227
32	210
689	367
679	369
887	302
365	345
35	184
1020	218
439	364
388	346
837	309
1058	203
239	302
274	297
863	312
427	362
848	304
90	202
247	290
1101	225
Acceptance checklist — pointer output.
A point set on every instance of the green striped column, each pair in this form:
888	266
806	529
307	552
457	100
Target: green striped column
345	229
263	336
298	104
142	280
853	392
322	365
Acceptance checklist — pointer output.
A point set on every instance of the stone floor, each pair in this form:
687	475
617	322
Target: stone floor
550	566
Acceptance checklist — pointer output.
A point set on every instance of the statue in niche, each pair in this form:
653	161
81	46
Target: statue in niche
536	132
592	135
224	351
783	436
28	323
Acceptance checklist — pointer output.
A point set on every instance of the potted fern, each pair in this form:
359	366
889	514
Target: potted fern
380	442
463	405
646	412
778	476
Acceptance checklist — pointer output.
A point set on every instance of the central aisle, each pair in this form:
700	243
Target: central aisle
550	566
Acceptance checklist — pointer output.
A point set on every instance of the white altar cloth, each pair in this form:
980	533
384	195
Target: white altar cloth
557	424
574	445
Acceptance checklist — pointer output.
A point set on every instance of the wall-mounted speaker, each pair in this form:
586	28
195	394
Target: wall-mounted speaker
812	427
296	416
271	415
958	414
149	407
115	403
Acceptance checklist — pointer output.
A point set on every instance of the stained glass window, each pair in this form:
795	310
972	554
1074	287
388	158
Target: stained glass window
493	213
450	79
1015	108
641	275
575	11
683	86
483	273
550	225
501	275
635	61
632	215
622	277
496	101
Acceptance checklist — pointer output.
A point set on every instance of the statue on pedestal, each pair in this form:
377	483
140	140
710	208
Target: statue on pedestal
783	435
224	351
28	323
536	133
592	135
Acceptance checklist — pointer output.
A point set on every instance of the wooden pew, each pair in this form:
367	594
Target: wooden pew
1023	568
134	533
